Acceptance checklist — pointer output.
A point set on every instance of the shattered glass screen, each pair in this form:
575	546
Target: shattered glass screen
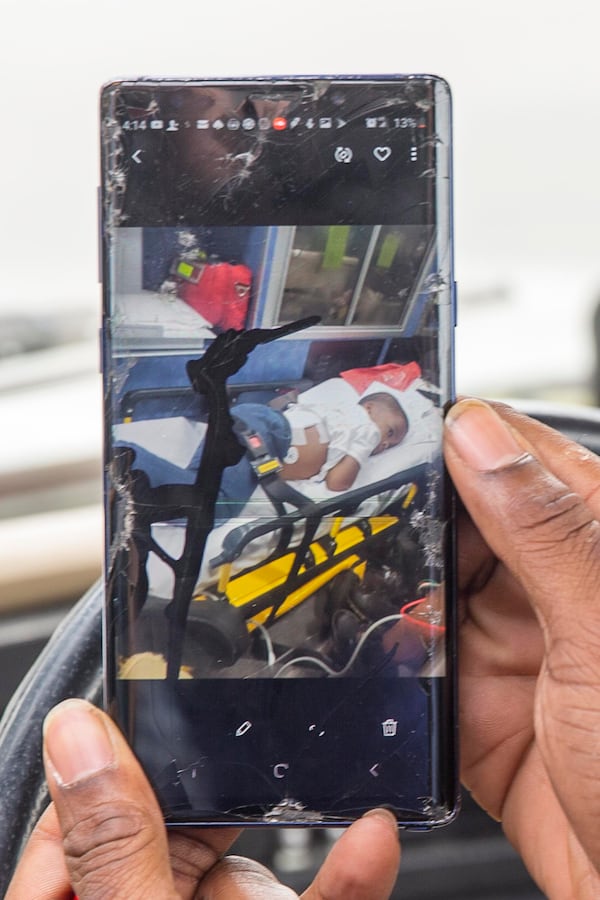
277	355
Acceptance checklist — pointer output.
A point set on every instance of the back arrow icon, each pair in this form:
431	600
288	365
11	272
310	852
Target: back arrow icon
136	157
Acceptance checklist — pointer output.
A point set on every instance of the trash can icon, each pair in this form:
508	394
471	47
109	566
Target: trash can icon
389	727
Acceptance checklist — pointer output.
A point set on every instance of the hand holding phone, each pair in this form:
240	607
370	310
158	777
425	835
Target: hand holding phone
103	801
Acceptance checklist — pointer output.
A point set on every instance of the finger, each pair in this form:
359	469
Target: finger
573	464
495	617
547	535
42	872
499	632
475	560
544	835
537	525
363	864
237	878
113	833
496	731
194	851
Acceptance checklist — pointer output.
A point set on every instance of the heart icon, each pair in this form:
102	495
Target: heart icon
382	153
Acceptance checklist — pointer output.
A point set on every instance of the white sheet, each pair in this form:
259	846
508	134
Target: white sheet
150	314
175	439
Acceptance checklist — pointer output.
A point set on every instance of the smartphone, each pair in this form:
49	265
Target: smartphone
277	354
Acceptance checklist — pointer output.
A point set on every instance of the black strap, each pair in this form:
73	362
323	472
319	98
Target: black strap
267	468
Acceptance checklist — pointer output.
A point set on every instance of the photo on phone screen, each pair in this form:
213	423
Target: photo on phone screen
277	357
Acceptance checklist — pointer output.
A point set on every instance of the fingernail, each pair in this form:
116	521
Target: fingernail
383	813
76	742
480	436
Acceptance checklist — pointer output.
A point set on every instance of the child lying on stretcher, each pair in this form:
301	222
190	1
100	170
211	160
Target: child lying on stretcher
330	442
326	441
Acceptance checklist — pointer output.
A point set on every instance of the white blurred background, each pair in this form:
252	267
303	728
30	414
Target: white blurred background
526	85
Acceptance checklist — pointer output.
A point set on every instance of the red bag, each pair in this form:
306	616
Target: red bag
393	374
221	294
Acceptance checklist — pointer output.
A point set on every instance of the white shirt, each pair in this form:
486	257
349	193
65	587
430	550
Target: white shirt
346	427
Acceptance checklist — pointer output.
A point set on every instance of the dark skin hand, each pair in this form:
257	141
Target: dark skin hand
104	836
530	638
529	572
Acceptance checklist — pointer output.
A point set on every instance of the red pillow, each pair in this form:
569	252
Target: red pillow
393	375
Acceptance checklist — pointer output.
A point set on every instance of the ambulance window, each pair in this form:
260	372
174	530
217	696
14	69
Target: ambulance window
353	275
323	272
392	273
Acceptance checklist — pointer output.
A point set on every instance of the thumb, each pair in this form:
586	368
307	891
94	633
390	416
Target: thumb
363	864
526	497
534	498
113	834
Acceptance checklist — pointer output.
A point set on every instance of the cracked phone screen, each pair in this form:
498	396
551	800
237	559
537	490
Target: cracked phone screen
277	337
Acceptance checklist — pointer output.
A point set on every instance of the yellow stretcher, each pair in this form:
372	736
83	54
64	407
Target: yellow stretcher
239	602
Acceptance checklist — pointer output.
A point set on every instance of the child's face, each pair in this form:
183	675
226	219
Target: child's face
392	425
